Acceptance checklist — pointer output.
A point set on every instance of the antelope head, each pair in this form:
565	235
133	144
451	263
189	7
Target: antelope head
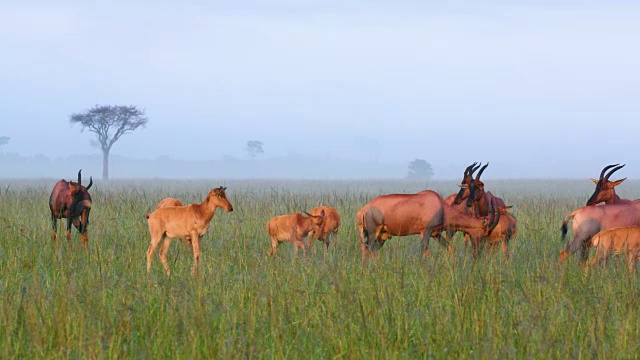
476	189
466	181
605	189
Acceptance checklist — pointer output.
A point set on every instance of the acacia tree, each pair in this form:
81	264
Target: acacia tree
420	169
254	148
109	123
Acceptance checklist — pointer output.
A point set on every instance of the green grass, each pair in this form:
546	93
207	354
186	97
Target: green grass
68	302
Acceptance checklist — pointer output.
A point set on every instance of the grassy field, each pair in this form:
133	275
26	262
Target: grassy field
67	302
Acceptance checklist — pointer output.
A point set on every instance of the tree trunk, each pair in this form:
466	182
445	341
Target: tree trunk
105	164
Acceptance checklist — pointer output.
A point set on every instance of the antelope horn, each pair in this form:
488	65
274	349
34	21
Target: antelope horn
607	168
481	171
613	170
474	169
80	177
90	183
466	171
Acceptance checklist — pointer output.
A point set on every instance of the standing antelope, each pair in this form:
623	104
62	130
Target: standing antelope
480	200
192	220
620	240
467	178
589	220
293	228
605	190
71	200
167	202
424	213
329	228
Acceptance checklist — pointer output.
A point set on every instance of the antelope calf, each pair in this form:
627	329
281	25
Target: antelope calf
71	200
504	231
192	220
293	228
167	202
329	228
620	240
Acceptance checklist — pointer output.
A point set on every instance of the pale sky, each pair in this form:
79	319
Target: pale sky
537	82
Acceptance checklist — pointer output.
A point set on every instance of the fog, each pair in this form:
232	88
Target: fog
334	89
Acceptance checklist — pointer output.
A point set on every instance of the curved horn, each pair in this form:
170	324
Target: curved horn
474	169
90	183
606	177
466	171
80	177
481	171
607	168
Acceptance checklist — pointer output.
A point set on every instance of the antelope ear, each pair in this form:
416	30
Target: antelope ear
507	207
594	181
617	182
322	213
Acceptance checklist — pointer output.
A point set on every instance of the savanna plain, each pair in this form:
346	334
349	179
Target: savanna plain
61	301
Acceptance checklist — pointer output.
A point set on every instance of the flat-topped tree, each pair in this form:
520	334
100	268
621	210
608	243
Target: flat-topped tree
109	123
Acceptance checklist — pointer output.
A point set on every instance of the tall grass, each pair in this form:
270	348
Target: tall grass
61	301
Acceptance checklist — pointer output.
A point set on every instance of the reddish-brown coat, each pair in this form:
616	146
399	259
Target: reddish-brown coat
329	228
71	200
424	213
181	221
292	228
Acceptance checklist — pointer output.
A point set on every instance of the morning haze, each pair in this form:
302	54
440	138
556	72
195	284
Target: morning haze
333	90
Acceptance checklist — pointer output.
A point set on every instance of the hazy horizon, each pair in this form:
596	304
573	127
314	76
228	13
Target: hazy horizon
538	89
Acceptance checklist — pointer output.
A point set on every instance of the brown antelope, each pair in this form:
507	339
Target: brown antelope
455	200
424	213
180	221
293	228
167	202
505	230
479	200
605	190
329	226
71	200
589	220
461	195
620	240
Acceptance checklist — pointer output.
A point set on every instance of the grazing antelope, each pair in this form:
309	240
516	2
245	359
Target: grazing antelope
605	190
71	200
589	220
617	241
166	202
424	213
192	220
293	228
329	228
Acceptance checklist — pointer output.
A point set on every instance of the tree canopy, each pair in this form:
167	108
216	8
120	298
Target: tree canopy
109	123
254	148
420	169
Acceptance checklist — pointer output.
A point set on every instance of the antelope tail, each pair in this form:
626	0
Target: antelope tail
565	228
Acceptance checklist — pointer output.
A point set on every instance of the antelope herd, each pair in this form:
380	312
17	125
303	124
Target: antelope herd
483	218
